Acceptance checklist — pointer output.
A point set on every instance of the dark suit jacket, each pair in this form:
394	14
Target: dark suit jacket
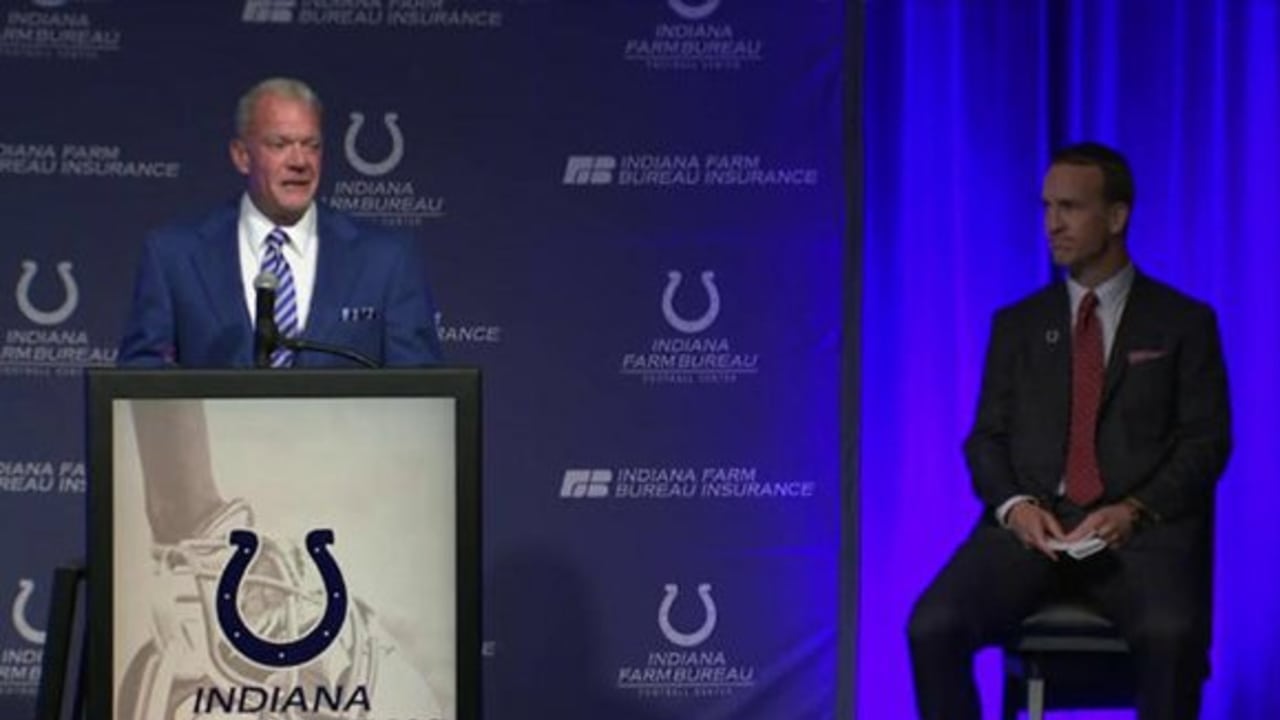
189	298
1164	424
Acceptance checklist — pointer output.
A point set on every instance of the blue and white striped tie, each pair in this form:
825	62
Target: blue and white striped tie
286	296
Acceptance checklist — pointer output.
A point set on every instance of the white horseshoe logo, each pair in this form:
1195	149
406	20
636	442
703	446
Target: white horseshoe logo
49	317
28	633
388	163
700	635
713	303
690	11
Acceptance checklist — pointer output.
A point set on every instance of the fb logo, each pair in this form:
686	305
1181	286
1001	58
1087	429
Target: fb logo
589	170
71	297
700	323
385	165
294	652
268	11
26	586
586	483
697	637
694	11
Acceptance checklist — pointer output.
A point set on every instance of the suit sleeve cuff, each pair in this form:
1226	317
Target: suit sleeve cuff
1143	511
1002	512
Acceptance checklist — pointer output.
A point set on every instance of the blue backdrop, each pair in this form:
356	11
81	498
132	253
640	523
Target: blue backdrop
632	215
574	170
963	102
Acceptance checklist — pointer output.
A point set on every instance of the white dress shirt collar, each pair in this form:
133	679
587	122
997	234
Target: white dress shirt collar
1113	295
255	226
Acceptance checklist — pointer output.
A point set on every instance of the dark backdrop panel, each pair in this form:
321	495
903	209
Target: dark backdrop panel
558	161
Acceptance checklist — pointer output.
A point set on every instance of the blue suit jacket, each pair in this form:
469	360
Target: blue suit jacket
189	298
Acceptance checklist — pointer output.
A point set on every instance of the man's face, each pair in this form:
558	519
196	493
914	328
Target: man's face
1083	229
280	154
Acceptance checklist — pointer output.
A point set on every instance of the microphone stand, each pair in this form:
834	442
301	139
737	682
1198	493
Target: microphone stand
299	345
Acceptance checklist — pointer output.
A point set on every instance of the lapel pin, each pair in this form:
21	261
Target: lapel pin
1051	337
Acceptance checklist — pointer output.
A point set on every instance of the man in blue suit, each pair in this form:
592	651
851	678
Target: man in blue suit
340	284
348	285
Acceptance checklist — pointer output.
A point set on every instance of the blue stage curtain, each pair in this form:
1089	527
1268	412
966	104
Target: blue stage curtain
963	102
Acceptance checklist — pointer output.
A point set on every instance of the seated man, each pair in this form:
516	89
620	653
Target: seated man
1103	415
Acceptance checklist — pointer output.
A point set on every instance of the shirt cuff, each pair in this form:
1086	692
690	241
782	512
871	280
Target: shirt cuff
1002	512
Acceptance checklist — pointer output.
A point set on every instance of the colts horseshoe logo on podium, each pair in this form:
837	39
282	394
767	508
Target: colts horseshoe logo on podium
294	652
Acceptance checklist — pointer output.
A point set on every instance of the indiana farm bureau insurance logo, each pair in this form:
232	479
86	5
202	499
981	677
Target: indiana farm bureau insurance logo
690	665
42	476
679	171
98	160
674	483
374	13
690	354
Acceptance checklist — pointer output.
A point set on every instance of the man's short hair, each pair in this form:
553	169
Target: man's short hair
1117	178
290	88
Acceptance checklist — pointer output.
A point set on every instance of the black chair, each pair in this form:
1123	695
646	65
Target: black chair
1066	655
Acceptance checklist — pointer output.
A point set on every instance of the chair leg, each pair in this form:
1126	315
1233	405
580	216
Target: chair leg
1035	691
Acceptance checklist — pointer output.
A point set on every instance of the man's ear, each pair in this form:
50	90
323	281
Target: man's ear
1117	218
239	155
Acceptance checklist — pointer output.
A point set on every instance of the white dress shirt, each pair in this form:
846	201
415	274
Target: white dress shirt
300	252
1112	294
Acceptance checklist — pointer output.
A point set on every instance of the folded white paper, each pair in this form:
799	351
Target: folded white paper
1080	549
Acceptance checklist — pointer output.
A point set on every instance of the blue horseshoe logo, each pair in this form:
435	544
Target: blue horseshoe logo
295	652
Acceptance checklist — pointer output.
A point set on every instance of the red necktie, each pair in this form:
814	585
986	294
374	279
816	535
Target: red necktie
1084	480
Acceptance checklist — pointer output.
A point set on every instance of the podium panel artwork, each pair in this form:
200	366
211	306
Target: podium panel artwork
320	584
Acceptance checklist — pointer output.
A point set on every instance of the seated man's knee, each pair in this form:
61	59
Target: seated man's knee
1158	629
932	622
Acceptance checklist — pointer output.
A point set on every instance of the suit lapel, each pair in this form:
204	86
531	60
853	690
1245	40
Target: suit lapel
1134	320
217	265
1057	343
335	273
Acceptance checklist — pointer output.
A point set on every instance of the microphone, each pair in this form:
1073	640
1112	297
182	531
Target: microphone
265	335
267	338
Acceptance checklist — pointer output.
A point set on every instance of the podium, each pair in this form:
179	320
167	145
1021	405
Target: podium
283	543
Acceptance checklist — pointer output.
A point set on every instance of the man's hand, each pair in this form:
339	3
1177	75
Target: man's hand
1112	523
1035	527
